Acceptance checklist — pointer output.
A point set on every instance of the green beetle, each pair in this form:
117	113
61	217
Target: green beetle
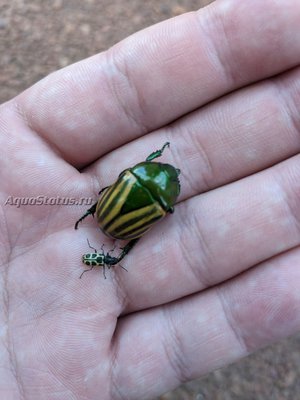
141	196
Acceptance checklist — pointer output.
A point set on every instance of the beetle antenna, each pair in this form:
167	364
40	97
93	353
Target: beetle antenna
123	267
91	247
113	249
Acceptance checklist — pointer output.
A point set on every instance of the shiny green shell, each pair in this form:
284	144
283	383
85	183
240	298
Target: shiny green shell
140	197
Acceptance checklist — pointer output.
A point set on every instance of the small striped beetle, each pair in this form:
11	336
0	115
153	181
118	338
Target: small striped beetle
103	260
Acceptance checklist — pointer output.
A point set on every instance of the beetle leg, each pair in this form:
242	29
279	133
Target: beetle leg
102	190
126	249
104	272
157	153
86	270
123	267
90	211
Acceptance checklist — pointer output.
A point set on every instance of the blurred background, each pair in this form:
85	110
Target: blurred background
40	36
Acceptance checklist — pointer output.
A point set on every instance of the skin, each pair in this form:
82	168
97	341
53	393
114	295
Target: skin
211	283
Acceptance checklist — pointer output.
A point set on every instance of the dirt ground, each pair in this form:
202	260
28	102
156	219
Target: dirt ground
40	36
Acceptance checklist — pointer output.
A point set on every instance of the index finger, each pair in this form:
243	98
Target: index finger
160	74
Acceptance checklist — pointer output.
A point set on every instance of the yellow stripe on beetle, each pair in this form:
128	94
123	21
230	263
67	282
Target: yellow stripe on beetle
134	222
113	200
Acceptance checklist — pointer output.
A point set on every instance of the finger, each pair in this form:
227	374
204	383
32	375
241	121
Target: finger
214	237
186	339
233	137
103	102
25	156
37	184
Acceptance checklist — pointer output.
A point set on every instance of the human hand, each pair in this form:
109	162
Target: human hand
215	281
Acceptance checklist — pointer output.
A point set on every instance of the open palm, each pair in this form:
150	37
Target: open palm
207	285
